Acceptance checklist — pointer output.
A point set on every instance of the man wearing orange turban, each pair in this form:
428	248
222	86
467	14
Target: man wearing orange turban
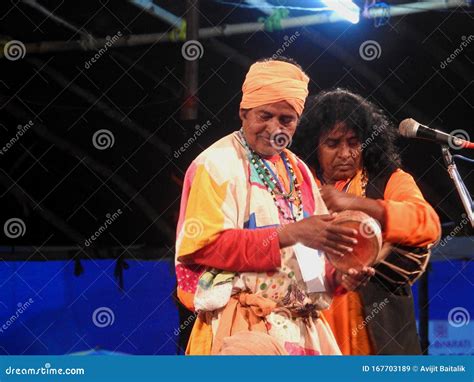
275	81
250	212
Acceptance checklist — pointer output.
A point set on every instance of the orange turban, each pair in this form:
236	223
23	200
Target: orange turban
274	81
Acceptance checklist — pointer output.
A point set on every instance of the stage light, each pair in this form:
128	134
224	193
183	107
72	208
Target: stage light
344	8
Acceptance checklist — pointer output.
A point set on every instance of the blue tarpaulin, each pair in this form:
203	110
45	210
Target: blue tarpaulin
46	309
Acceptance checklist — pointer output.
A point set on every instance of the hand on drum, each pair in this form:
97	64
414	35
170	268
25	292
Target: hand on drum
354	279
320	232
339	201
323	233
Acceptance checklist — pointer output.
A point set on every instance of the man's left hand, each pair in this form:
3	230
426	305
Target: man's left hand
355	279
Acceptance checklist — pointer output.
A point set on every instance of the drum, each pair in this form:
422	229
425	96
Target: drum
402	265
369	241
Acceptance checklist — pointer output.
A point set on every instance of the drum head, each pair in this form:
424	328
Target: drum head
369	237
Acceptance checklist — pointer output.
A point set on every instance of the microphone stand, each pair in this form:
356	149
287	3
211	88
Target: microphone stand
423	296
458	183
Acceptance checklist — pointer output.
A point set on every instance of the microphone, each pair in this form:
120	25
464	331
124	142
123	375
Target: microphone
410	128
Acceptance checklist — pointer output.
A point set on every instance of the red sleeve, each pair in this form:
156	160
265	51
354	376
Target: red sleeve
242	250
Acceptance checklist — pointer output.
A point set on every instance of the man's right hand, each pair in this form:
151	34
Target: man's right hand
319	232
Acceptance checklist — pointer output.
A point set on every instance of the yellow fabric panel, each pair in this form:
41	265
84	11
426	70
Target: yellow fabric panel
204	218
200	341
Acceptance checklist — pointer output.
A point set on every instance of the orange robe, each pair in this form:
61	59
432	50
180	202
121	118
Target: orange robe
411	221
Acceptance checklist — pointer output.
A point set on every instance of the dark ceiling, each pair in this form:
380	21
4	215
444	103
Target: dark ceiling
62	187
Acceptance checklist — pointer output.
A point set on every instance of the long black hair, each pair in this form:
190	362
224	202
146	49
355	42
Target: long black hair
372	127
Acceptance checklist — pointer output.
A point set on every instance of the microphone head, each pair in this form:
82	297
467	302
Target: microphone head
408	128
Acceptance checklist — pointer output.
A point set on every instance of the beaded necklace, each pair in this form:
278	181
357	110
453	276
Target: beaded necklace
271	182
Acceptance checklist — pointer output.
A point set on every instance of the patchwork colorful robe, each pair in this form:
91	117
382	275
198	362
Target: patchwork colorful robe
223	194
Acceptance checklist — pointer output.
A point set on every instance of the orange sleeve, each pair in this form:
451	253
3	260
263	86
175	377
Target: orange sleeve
410	219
